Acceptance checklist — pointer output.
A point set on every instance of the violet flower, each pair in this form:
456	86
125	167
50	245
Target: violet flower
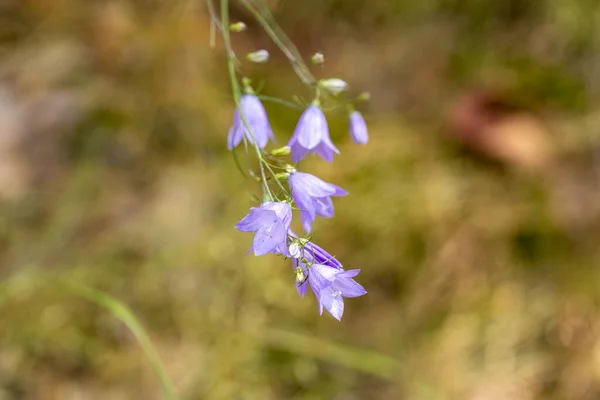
328	280
256	116
271	222
312	196
312	135
358	128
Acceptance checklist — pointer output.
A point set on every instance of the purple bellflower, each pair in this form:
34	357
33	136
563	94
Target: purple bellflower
358	128
312	135
271	222
328	280
256	116
312	196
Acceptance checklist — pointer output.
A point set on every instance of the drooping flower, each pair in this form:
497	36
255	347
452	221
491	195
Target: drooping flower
328	280
312	135
358	128
271	222
312	196
256	116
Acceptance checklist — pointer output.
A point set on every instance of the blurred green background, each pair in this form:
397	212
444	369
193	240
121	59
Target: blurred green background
474	211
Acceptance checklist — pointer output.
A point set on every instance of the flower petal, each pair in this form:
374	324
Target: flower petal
256	219
269	238
323	206
313	186
298	152
312	127
358	128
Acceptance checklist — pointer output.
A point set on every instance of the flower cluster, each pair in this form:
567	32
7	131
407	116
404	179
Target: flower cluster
285	189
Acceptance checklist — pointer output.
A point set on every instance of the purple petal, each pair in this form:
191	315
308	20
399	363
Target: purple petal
312	127
312	185
257	120
307	209
256	219
324	151
333	302
281	209
234	137
339	191
298	152
268	239
302	288
348	286
324	206
358	128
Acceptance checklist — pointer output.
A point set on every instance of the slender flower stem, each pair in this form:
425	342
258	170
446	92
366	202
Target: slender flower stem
265	18
236	88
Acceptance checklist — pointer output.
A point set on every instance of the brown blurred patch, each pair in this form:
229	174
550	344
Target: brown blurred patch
491	127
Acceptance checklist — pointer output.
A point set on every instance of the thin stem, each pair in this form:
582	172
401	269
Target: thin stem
279	101
236	88
278	37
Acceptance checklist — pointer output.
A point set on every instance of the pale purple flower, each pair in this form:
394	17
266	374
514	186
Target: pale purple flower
358	128
256	116
271	222
328	280
312	196
312	135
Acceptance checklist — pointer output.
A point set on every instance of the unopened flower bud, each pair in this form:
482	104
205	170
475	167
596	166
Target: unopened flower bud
317	58
364	96
237	27
333	85
260	56
282	175
300	275
282	151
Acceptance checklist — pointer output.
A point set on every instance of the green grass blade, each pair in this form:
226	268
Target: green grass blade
124	314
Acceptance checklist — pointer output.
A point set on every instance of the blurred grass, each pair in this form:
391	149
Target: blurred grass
482	280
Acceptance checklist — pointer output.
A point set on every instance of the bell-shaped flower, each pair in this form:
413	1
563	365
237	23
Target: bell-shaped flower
256	117
313	197
328	280
312	135
271	223
358	128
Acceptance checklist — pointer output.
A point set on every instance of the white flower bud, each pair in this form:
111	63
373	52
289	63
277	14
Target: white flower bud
237	27
317	58
260	56
334	85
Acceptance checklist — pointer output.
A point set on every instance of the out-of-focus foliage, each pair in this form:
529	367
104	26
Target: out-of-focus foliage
483	277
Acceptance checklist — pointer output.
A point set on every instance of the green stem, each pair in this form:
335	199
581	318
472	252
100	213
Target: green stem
236	88
265	19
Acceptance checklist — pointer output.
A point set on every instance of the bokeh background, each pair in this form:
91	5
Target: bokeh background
473	214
